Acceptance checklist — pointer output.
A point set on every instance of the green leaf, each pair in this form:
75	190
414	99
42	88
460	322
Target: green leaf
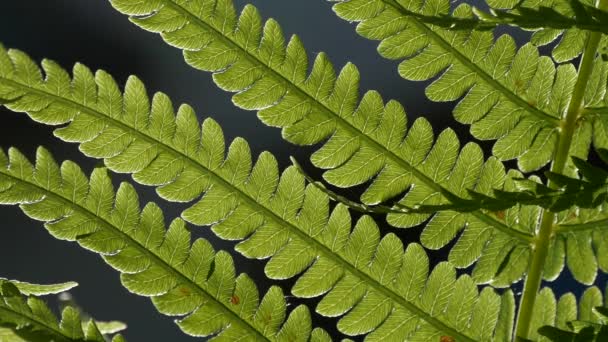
581	261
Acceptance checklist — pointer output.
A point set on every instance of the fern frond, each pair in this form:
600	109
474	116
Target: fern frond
571	192
367	138
26	317
514	96
381	289
563	319
182	279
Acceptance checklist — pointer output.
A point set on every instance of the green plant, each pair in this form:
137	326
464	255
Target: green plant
507	224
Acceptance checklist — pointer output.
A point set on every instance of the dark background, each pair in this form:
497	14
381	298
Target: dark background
91	32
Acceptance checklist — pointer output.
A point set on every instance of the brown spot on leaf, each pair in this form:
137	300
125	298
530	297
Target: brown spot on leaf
500	214
235	300
184	290
447	339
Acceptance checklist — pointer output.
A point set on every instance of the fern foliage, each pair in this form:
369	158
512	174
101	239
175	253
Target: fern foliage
24	316
366	138
589	334
182	279
502	223
279	217
373	282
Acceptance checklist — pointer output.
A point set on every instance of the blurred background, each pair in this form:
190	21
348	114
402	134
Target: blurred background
91	32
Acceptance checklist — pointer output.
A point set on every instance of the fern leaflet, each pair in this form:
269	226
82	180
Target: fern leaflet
181	279
360	274
29	289
596	102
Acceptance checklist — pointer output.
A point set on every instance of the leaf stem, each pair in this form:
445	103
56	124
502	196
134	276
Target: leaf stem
533	279
567	127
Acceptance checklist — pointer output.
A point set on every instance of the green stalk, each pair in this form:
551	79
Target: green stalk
534	277
540	244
